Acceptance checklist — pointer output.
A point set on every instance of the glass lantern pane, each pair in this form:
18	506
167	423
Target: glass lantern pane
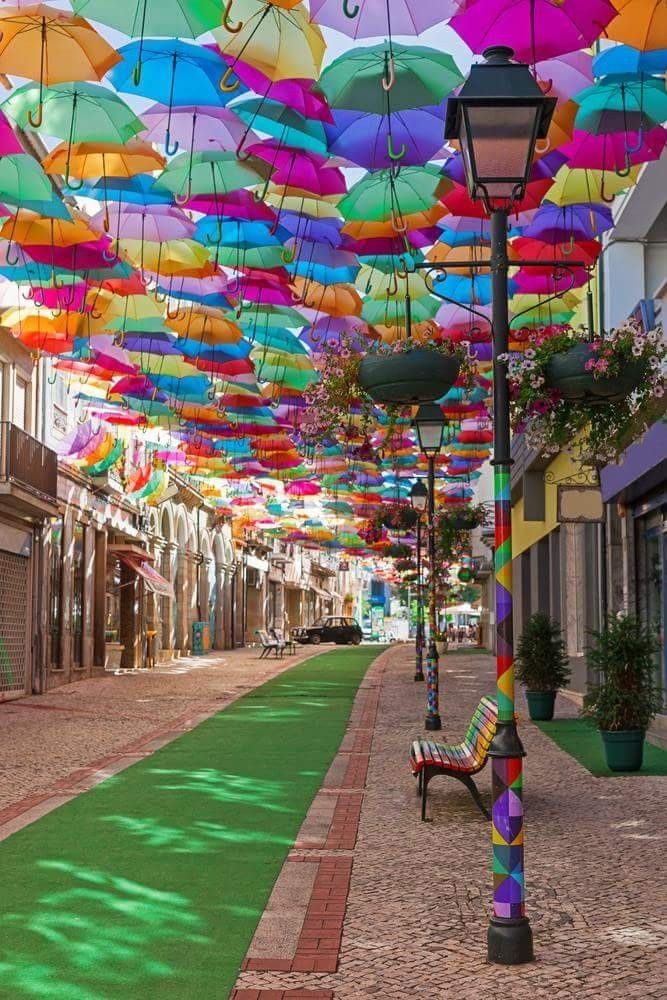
500	142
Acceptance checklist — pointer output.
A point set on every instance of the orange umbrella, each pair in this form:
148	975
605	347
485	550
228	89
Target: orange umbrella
32	229
207	325
51	46
364	229
335	300
475	254
639	23
99	159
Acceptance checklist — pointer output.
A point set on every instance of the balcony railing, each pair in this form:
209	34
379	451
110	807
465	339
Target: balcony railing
26	462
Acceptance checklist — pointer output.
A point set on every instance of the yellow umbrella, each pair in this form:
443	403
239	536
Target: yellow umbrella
336	300
314	207
281	43
379	285
99	159
571	187
51	46
168	258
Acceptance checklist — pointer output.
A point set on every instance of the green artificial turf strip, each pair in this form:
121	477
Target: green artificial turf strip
151	885
583	742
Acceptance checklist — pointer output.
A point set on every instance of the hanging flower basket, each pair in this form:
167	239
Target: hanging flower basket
400	519
585	399
397	551
416	376
573	374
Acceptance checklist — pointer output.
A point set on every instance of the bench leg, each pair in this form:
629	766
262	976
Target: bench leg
472	788
426	777
419	782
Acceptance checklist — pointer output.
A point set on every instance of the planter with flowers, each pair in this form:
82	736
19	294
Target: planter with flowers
397	550
397	517
566	389
349	385
453	528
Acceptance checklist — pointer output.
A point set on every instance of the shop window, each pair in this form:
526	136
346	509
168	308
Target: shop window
651	549
55	591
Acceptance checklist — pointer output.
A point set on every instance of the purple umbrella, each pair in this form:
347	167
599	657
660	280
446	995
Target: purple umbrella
374	141
194	128
380	18
565	75
569	223
154	223
545	167
535	29
317	230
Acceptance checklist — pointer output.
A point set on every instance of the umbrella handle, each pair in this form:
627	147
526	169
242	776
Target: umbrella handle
392	286
390	149
568	248
259	196
35	118
607	199
218	239
14	262
544	149
287	256
29	296
183	199
69	180
136	73
159	296
109	255
387	84
625	171
239	155
168	148
633	149
119	339
232	29
52	378
225	85
398	227
350	12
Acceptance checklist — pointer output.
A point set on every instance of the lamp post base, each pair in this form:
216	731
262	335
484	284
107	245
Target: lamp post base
510	941
419	675
432	723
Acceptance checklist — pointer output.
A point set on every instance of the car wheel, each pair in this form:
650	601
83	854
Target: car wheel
356	640
315	640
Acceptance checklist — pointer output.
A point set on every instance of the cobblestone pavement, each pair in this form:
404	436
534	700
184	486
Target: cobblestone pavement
47	737
419	899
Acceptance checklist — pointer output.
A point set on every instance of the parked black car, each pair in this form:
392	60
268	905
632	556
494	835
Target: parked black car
343	631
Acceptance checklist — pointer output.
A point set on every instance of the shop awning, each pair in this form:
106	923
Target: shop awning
153	580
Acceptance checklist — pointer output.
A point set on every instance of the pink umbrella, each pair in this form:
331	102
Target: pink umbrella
83	256
303	488
609	151
196	128
550	282
372	18
237	205
535	29
8	141
300	169
566	75
297	94
154	223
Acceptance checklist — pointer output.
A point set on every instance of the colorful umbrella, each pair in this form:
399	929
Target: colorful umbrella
77	112
640	23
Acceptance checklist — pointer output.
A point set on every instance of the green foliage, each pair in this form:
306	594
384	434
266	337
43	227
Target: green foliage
541	662
626	696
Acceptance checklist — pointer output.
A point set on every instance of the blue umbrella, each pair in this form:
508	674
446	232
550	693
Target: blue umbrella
622	60
137	190
238	232
411	137
322	273
173	73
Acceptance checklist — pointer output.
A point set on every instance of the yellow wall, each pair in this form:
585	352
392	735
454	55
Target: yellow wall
526	533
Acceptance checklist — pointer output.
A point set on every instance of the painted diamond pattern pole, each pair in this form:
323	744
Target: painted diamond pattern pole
433	721
509	936
419	636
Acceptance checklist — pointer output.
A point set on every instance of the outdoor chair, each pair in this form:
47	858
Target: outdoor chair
270	644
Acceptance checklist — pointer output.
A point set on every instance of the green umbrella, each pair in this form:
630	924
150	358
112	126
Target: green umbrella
621	106
377	196
24	183
380	312
269	316
76	112
211	172
357	80
265	258
175	18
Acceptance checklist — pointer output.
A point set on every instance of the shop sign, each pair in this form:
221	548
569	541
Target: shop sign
579	505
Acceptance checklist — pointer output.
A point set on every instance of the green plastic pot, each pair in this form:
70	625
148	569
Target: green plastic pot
541	705
623	749
419	376
567	373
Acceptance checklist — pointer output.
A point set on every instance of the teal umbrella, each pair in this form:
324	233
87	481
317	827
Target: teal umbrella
282	123
621	106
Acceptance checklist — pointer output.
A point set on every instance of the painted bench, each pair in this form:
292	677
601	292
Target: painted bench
270	644
460	761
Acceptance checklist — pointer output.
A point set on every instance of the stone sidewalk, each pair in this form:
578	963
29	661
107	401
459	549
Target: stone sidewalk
51	739
384	906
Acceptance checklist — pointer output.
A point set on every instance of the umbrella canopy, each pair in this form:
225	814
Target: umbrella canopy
640	23
418	75
377	141
623	60
102	159
77	112
621	105
208	173
368	18
383	196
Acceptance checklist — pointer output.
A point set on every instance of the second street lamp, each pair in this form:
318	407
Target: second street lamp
430	425
497	117
419	501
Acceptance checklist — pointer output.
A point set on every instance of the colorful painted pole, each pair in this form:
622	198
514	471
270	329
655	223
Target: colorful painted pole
510	940
432	722
419	632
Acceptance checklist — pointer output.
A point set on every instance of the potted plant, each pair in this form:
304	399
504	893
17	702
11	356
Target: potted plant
398	516
541	665
410	373
626	697
583	397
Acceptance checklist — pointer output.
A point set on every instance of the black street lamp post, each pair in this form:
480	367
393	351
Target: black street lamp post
419	501
430	425
498	115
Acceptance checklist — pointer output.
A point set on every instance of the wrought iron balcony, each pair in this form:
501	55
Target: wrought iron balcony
28	473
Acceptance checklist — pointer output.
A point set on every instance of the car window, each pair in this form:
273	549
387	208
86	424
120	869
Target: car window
321	621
